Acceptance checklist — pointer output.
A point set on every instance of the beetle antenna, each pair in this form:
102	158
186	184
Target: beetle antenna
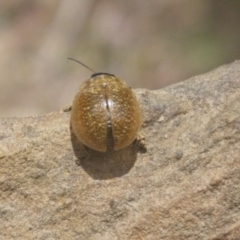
82	64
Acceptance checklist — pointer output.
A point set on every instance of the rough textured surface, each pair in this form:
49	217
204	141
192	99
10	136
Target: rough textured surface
187	186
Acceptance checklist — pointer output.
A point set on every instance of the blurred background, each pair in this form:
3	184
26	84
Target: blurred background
148	44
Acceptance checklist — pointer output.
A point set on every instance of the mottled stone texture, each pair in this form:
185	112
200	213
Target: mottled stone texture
187	185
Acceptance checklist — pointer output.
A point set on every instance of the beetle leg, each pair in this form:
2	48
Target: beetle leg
66	108
83	155
140	142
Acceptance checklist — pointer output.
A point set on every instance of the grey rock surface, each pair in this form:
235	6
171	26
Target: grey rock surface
186	186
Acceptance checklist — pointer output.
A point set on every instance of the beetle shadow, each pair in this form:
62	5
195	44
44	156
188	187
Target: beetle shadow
100	165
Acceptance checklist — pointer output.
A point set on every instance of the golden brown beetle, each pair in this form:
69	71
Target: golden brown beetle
105	113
